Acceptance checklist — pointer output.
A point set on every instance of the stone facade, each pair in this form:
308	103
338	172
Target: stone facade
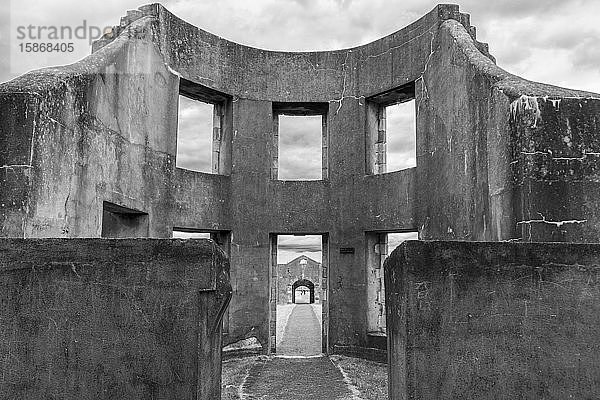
297	271
89	149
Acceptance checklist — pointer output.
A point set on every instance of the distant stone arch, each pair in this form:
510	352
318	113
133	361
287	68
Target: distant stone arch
308	284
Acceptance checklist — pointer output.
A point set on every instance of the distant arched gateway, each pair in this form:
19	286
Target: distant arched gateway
308	284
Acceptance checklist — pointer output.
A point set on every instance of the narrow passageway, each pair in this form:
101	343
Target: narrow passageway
298	371
302	334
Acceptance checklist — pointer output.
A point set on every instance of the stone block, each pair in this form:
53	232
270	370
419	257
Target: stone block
111	319
482	320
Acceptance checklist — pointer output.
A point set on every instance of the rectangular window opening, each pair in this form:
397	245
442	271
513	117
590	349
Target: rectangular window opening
194	135
401	136
190	235
379	247
300	138
203	129
222	238
392	133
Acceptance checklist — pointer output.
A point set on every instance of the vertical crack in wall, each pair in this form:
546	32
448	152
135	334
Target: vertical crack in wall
343	95
424	91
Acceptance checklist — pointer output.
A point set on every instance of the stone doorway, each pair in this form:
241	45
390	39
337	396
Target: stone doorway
300	289
299	265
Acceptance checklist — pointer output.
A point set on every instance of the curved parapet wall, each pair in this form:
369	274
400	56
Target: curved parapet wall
516	160
498	157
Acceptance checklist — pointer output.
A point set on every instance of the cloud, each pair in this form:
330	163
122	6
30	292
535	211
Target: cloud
190	235
394	239
194	135
5	44
56	13
300	141
328	24
543	41
515	8
401	136
290	247
586	53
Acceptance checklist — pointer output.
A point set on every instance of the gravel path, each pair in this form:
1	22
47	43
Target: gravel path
295	379
302	335
313	378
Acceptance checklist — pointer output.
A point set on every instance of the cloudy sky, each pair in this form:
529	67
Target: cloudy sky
553	41
290	247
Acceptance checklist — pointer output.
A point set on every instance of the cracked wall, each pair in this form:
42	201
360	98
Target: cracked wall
501	320
498	157
104	319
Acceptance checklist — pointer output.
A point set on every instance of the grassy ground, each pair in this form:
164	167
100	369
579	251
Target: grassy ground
234	373
369	377
283	313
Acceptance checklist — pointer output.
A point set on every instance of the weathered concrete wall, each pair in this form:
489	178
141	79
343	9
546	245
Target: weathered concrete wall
499	157
556	170
106	319
481	320
104	130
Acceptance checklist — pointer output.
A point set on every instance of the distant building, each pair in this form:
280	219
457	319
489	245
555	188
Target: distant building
301	272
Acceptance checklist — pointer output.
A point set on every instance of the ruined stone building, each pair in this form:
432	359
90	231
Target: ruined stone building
89	150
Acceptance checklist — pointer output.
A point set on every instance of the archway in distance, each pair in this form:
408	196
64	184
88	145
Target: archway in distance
308	284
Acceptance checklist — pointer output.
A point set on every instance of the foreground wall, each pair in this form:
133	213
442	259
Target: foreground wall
493	320
111	319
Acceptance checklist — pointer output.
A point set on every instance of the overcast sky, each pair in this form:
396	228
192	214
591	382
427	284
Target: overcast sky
553	41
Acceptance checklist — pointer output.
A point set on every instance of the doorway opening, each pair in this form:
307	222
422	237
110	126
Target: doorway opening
379	245
303	292
298	302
